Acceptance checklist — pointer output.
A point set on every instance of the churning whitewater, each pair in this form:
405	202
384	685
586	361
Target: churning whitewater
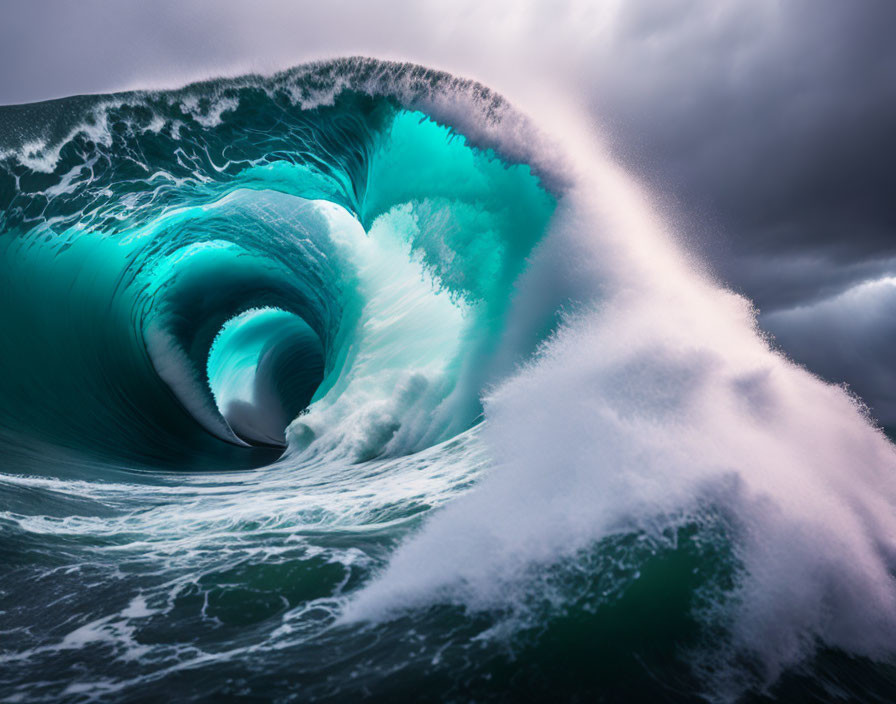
354	381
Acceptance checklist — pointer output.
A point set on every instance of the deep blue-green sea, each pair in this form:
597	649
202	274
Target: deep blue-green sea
357	382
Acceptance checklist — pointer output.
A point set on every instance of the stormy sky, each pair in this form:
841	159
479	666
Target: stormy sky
766	128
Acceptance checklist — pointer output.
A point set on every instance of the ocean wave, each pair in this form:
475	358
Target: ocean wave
356	370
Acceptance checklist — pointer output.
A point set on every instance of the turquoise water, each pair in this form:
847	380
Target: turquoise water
247	330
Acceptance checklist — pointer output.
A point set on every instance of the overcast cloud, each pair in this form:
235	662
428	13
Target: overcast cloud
766	127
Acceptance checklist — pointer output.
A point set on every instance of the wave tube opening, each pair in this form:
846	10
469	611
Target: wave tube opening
264	368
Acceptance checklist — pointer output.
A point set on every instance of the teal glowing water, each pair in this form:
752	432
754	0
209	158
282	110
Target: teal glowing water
247	331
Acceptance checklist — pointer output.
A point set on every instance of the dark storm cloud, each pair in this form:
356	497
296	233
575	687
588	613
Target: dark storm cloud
848	338
774	124
771	129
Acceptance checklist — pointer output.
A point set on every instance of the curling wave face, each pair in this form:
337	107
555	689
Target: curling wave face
142	238
340	382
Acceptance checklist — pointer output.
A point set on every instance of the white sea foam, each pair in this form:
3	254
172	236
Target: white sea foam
659	396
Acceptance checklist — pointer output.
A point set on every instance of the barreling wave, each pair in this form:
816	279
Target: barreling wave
352	380
141	226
